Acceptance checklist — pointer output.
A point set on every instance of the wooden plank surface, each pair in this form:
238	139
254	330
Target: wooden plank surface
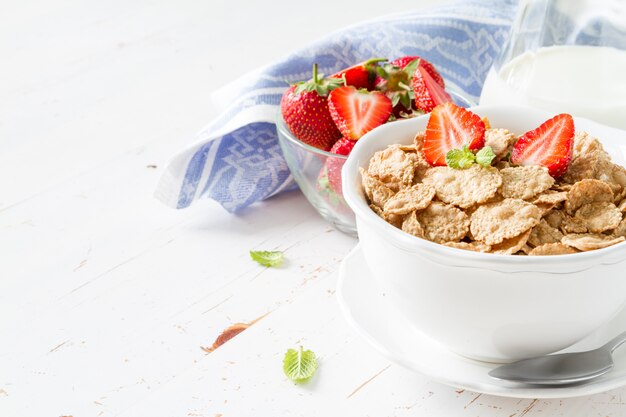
106	296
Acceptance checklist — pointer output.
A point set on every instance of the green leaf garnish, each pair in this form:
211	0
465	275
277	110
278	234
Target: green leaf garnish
299	365
460	158
485	156
267	258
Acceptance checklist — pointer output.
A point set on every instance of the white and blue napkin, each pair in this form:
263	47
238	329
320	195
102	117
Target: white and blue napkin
236	160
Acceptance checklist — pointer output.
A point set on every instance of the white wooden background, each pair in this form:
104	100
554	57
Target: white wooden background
106	296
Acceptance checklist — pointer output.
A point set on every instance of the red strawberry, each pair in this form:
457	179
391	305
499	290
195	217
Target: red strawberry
549	145
360	75
451	127
356	112
304	107
402	62
428	92
333	165
394	79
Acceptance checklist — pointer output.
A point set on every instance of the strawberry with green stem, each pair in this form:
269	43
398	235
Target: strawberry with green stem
304	107
395	81
361	75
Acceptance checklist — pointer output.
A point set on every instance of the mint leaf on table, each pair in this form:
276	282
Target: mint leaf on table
299	365
267	258
485	156
460	158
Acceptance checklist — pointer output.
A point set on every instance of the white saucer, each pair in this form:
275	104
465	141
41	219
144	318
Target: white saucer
368	310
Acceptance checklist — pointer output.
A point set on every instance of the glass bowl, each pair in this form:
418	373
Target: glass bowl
309	167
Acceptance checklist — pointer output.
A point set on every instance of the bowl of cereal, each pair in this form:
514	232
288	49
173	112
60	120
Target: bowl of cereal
498	231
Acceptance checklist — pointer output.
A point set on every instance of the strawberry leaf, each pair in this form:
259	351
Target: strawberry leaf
381	72
412	66
299	365
405	99
404	86
267	258
395	99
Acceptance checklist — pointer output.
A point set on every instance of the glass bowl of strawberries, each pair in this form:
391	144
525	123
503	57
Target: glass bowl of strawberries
321	120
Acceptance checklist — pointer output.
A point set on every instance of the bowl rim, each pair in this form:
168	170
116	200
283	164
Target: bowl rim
407	242
281	127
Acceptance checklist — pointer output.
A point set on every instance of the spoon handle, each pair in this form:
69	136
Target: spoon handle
614	343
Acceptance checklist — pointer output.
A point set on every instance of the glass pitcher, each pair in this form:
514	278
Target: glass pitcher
565	56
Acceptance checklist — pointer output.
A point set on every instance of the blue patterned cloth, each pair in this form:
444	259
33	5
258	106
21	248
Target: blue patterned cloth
237	160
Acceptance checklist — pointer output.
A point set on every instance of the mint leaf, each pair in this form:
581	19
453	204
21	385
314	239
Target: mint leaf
485	156
460	158
299	365
267	258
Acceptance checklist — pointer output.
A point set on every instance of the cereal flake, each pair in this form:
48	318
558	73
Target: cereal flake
492	223
587	191
416	197
599	217
464	187
443	223
621	229
544	233
377	192
393	167
412	226
512	245
500	140
525	181
471	246
550	197
552	249
589	241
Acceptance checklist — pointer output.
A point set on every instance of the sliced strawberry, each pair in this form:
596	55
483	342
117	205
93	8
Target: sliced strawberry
304	107
428	93
451	127
549	145
402	62
360	75
333	165
356	112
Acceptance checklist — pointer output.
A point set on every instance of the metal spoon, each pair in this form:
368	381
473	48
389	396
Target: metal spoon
562	368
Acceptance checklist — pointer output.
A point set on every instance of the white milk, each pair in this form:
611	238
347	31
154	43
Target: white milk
586	81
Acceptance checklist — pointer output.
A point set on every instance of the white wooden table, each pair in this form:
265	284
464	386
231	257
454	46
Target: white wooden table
106	296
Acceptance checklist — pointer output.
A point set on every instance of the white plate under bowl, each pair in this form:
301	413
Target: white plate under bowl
368	310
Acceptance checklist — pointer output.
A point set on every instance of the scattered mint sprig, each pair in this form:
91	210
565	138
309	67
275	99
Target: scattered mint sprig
267	258
299	365
464	157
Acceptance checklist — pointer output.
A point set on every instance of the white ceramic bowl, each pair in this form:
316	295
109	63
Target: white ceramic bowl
488	307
